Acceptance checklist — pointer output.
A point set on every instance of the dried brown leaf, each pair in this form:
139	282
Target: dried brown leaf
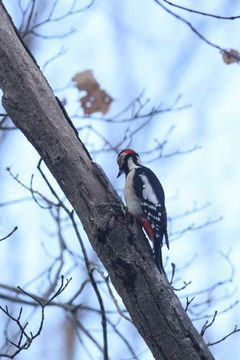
231	56
96	99
85	80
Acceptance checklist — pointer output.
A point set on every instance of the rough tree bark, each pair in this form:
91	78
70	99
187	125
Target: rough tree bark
154	308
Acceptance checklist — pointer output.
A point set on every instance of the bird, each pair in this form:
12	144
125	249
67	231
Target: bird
145	200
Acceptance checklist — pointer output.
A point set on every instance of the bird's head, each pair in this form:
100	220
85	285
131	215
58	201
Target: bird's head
127	160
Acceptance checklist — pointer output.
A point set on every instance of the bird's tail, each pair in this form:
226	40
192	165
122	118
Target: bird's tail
157	245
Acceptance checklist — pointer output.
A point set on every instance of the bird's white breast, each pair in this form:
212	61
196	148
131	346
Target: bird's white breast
132	201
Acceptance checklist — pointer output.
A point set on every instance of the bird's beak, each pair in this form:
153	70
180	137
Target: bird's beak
120	173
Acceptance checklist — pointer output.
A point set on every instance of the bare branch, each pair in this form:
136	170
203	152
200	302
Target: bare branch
138	115
25	339
173	272
185	284
193	227
235	330
200	12
188	302
87	263
15	201
7	236
61	52
208	324
188	23
120	311
33	192
32	23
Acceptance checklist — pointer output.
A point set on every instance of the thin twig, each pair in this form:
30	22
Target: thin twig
235	330
207	324
7	236
200	12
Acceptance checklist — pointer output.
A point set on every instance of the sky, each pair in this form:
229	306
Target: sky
131	48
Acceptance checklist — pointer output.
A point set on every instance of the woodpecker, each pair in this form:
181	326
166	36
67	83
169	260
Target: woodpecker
145	200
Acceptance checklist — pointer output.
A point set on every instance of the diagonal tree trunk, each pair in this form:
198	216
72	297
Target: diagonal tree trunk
155	310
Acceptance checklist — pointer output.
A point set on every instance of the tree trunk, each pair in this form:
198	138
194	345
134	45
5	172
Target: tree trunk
155	310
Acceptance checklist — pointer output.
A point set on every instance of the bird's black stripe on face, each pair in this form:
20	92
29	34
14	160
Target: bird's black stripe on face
133	156
124	165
